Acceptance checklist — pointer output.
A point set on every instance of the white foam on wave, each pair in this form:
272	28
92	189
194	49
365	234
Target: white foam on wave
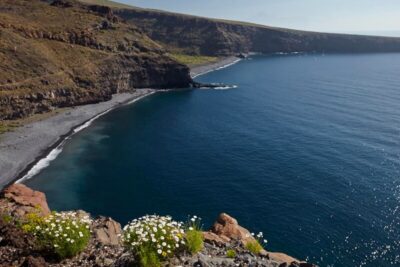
227	87
45	162
140	97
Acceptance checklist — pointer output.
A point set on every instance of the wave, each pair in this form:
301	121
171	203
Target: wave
43	163
288	53
218	87
226	87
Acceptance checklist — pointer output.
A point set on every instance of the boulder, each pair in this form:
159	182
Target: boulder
19	200
107	231
227	227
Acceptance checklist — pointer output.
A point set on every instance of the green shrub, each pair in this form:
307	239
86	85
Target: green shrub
194	241
153	238
230	253
148	257
64	234
254	247
194	235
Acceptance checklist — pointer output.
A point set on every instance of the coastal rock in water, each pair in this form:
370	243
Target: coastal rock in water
19	200
227	227
107	231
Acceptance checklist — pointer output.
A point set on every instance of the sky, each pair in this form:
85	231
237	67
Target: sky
381	17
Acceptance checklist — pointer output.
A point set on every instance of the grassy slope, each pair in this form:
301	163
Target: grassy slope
193	60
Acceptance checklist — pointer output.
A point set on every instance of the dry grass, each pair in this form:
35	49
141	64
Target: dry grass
193	60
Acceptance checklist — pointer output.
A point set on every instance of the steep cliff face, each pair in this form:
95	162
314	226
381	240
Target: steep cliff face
64	53
195	35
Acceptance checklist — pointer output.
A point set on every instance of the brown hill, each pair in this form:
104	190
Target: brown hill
65	53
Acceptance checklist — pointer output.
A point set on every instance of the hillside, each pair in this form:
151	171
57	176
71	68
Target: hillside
64	53
213	37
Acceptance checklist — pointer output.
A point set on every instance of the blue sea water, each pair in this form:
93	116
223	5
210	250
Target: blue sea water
305	149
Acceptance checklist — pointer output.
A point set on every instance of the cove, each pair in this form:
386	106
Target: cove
305	149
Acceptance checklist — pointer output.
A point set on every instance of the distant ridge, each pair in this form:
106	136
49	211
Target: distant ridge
196	35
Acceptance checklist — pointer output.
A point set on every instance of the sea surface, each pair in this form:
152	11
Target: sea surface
306	149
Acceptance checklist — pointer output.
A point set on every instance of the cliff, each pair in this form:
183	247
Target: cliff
105	246
64	53
203	36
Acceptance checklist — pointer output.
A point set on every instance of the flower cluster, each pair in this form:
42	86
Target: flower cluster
194	223
66	234
158	234
260	238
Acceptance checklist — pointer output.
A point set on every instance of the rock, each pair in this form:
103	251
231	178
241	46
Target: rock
213	238
14	236
20	200
282	259
107	231
34	262
228	227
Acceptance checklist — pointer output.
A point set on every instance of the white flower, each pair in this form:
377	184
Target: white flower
159	251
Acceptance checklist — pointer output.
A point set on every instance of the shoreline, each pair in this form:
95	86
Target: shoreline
28	149
26	146
202	69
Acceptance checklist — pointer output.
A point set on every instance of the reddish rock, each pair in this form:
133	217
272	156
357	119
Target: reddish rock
212	238
228	227
19	200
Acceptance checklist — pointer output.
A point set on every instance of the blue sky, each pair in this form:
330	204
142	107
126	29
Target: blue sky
349	16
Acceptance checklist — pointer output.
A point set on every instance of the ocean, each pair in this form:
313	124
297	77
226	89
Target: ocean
302	147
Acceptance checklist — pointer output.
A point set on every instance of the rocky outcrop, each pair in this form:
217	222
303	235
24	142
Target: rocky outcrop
226	230
19	200
18	248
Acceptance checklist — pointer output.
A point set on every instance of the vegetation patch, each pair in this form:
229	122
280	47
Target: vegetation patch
193	60
8	126
255	246
230	253
194	235
153	238
64	234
